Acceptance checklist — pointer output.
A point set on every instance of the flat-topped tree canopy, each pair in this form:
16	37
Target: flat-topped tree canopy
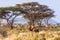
12	9
27	4
34	7
33	11
6	10
29	8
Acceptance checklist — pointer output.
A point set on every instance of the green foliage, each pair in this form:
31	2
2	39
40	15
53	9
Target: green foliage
9	8
13	9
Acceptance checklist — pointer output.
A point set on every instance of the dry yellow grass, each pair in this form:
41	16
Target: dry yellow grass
21	33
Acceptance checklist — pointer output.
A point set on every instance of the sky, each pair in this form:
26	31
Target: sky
53	4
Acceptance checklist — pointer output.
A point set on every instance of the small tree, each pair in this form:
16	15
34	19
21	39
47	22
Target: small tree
8	12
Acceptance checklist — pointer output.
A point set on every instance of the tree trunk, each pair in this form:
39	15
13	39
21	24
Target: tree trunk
12	22
40	22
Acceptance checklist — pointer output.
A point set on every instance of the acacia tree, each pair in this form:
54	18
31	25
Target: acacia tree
8	12
32	11
36	12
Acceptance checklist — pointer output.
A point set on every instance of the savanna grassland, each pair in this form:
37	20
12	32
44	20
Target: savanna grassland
22	33
36	14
